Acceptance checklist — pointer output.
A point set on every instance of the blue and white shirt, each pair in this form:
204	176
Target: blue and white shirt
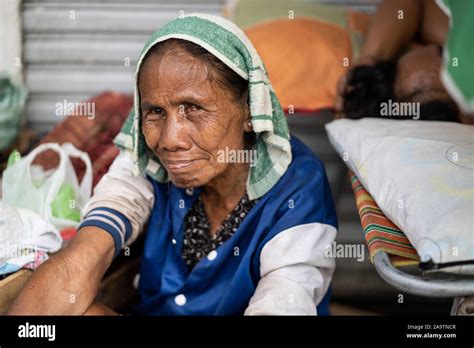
275	263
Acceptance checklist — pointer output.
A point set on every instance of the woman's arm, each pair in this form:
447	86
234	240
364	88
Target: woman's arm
398	23
392	28
295	271
114	216
295	266
68	282
121	203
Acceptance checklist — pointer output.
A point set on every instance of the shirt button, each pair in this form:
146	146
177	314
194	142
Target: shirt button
212	255
173	241
136	280
180	300
189	191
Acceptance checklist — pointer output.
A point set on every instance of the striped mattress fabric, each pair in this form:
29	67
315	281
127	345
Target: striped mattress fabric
380	233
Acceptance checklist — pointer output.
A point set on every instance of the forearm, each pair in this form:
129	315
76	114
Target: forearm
69	281
392	28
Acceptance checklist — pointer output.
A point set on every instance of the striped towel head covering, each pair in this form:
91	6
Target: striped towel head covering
228	43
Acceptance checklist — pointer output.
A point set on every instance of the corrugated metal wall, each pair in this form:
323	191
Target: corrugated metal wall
75	49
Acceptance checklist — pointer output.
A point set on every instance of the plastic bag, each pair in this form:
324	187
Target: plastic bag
25	239
12	101
54	195
11	227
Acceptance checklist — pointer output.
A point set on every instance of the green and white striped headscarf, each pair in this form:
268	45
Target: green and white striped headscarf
227	42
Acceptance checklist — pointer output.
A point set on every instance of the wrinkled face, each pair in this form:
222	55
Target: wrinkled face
187	118
418	76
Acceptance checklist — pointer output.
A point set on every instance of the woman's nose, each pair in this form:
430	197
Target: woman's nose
174	135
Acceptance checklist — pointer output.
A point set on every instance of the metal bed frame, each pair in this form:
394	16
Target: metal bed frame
435	285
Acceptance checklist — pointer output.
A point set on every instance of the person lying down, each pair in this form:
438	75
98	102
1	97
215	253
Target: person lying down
397	75
226	234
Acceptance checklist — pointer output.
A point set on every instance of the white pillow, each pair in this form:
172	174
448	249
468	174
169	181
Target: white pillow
421	174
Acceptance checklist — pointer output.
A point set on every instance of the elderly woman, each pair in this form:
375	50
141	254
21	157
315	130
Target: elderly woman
239	218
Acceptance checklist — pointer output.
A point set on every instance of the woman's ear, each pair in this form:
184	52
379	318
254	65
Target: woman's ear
246	112
248	125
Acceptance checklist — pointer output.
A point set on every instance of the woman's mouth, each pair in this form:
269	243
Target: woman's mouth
179	166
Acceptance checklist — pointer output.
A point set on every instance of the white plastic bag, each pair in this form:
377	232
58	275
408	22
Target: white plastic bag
30	188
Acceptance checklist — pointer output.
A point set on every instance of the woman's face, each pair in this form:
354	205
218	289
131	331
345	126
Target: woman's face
187	119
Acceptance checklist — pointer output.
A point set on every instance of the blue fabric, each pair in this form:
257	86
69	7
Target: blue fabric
112	226
323	306
108	227
225	285
126	222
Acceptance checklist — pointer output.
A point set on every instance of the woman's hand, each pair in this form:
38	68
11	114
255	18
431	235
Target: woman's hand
69	281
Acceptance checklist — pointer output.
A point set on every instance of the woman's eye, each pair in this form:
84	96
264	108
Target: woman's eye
192	108
157	111
154	114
